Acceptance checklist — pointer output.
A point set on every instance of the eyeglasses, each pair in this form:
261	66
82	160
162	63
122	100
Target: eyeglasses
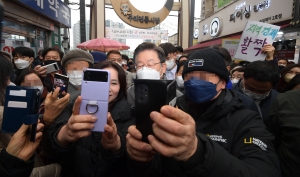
149	66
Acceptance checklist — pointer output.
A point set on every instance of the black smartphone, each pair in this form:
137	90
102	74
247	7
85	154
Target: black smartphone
61	81
151	95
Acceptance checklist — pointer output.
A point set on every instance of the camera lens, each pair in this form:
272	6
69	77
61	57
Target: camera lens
141	92
141	87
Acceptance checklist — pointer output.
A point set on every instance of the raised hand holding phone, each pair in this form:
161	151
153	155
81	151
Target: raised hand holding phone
78	126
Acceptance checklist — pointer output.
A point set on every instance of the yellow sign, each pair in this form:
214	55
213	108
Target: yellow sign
134	17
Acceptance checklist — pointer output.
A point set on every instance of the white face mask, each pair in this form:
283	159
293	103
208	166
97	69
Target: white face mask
41	88
170	64
180	81
234	81
148	73
178	56
75	77
21	64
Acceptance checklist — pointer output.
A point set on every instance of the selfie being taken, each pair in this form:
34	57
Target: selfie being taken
160	88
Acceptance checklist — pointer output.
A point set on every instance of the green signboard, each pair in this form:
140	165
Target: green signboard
55	37
222	3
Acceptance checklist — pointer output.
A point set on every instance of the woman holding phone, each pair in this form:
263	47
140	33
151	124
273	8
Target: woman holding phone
85	153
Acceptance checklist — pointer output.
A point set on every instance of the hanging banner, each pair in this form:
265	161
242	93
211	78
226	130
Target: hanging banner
231	44
254	37
118	33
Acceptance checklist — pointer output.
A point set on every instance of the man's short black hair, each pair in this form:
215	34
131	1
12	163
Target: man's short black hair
23	51
225	52
179	49
125	57
45	51
150	46
168	48
287	61
262	71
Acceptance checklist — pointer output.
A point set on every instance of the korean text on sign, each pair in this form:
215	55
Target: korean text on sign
254	37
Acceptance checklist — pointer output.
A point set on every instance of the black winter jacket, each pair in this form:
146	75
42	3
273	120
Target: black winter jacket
284	123
87	157
11	166
232	141
265	104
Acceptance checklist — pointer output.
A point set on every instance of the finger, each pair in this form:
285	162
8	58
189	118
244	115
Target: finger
138	155
84	119
176	114
37	67
167	124
138	144
22	130
55	93
38	138
108	131
40	127
166	137
76	106
110	121
135	133
82	126
162	148
64	99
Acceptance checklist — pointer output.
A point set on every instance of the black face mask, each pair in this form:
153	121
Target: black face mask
130	63
48	62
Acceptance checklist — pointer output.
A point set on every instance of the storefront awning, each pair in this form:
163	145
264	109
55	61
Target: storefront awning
218	41
205	44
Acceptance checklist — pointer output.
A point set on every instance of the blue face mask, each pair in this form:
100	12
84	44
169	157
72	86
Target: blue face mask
199	91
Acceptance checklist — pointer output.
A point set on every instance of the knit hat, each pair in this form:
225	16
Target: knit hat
98	56
210	60
8	55
77	55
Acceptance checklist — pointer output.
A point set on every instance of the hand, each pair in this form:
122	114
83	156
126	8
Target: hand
41	70
54	106
175	134
136	149
269	50
20	145
110	139
78	126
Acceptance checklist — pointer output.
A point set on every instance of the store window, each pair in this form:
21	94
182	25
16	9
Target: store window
16	34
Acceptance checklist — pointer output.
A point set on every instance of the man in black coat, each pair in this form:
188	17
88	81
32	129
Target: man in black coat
258	81
284	123
212	135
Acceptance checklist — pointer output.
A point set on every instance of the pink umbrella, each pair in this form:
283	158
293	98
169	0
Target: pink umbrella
103	45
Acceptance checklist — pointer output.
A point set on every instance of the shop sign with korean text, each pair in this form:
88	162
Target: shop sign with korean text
254	37
55	9
236	15
136	34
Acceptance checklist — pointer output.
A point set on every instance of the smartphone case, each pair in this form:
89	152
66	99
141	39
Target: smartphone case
52	68
21	106
151	95
95	97
64	87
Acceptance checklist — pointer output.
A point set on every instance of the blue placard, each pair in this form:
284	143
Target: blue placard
55	9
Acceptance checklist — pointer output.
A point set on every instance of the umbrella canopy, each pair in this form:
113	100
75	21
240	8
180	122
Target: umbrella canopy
103	45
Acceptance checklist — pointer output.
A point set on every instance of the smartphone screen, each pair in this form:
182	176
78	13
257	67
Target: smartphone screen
62	82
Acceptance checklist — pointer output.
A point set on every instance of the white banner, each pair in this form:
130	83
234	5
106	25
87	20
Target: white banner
254	37
120	33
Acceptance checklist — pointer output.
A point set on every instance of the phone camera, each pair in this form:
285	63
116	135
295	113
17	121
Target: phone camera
141	87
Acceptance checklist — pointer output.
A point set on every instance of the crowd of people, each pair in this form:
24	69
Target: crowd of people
231	118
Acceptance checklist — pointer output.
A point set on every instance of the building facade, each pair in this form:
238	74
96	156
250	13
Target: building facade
34	24
229	19
76	32
112	24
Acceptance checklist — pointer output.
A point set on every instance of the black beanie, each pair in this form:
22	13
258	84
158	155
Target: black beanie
208	59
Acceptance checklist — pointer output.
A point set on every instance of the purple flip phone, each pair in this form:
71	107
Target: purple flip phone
95	95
